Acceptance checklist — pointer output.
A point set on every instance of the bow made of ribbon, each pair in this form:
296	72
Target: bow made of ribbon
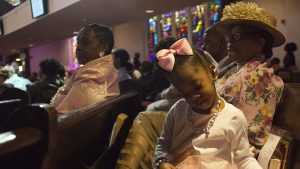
166	58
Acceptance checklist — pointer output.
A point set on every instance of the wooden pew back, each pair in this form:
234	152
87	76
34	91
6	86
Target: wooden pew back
75	138
287	116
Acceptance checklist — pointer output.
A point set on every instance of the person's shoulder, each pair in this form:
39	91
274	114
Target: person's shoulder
231	111
257	66
262	73
179	105
100	69
181	102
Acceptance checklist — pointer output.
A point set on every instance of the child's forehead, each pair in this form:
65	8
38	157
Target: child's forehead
191	68
190	75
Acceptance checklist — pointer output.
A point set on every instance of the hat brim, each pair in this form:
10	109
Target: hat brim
225	26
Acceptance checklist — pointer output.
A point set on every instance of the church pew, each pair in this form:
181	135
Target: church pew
76	138
21	149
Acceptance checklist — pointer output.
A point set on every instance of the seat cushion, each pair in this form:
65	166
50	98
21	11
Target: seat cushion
141	142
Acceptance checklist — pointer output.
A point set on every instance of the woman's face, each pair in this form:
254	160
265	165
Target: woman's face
197	87
88	47
242	44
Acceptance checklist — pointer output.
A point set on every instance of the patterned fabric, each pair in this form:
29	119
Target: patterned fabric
256	91
89	84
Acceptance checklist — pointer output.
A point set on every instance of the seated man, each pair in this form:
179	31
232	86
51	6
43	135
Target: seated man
215	44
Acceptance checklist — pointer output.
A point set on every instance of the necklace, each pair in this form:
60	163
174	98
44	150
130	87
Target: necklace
210	122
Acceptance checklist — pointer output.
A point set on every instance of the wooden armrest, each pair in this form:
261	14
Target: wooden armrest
15	140
284	151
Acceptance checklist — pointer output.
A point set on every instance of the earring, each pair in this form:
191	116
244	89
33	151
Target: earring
101	54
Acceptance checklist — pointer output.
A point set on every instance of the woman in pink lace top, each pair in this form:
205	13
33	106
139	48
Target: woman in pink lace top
96	80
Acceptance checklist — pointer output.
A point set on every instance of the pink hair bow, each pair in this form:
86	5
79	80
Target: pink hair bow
166	58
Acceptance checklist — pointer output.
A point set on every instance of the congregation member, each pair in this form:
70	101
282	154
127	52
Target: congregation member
136	61
97	79
289	59
251	86
170	95
120	60
215	44
50	80
275	64
202	130
15	80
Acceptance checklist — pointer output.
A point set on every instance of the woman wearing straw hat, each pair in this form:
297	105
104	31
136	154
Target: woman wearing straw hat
251	86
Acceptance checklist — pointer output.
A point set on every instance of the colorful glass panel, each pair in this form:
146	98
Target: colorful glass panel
215	7
74	61
181	24
165	23
153	39
198	17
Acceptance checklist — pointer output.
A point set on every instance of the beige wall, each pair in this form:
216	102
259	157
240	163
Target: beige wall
21	15
132	36
60	50
287	10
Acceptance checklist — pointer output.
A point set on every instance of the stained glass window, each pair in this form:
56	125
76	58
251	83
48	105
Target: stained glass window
181	24
202	16
153	39
198	25
74	61
215	7
165	24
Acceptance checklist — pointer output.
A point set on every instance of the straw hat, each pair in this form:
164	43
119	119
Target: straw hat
250	14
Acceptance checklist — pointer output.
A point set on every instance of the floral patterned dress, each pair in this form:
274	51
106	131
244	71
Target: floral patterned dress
256	90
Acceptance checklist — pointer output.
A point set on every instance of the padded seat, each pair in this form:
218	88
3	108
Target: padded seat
139	147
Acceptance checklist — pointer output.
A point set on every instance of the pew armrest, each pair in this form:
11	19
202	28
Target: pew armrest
15	140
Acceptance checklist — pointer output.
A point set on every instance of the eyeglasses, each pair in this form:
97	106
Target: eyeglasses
237	36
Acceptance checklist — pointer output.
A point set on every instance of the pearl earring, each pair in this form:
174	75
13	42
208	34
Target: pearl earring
101	54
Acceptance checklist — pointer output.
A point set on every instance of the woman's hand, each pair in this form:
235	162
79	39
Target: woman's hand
166	165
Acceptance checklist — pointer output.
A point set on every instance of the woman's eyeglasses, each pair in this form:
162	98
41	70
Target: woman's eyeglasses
237	36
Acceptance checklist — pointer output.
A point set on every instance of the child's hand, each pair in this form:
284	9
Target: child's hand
166	165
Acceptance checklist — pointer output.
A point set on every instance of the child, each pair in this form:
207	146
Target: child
202	130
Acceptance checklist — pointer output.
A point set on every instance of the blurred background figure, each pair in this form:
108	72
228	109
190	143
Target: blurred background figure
50	80
289	60
275	63
120	61
133	72
153	82
214	43
15	80
4	74
34	77
136	61
10	62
